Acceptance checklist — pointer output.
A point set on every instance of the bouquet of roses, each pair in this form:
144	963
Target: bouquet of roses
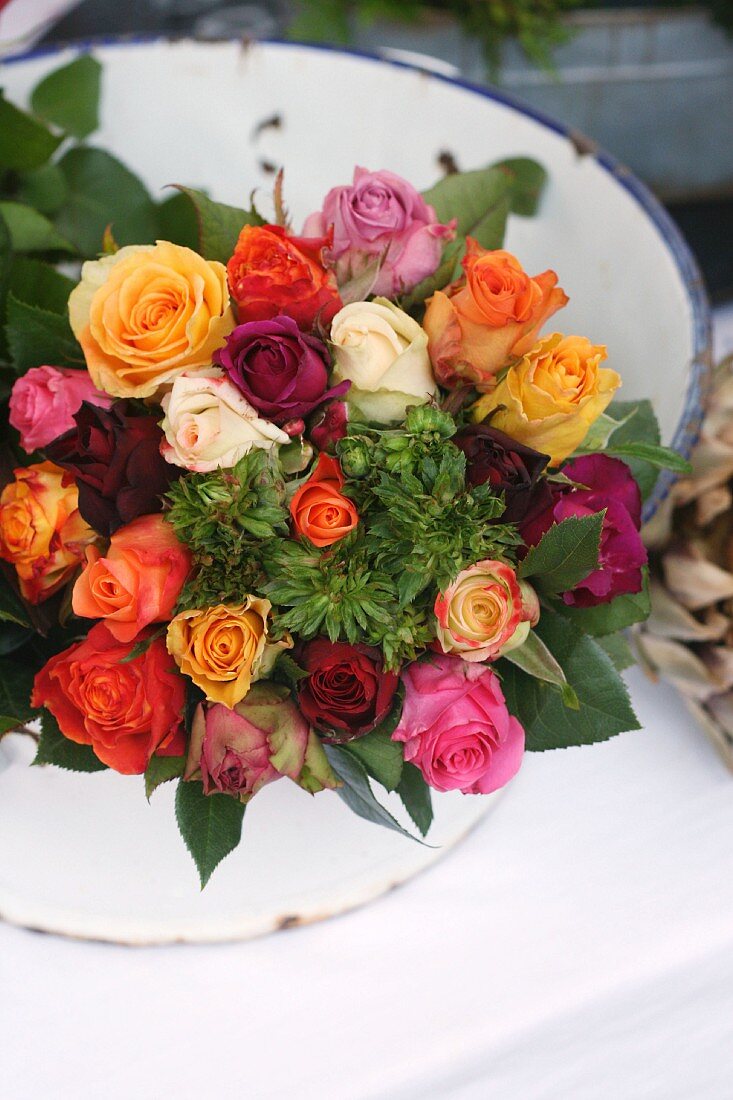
327	507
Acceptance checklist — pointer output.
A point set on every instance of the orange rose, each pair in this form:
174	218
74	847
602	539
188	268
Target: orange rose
271	274
138	580
148	313
41	529
491	316
319	509
126	710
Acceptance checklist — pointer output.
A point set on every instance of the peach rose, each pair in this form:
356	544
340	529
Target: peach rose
481	322
138	580
42	532
319	509
485	612
550	398
147	313
224	649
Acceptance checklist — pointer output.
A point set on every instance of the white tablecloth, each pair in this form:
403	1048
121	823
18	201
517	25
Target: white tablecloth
577	946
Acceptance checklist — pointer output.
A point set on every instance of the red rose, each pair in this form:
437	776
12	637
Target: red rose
347	692
126	711
272	273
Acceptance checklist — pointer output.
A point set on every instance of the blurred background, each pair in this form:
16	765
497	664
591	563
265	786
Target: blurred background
651	82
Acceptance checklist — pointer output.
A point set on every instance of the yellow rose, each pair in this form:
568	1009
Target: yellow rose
224	649
147	313
550	398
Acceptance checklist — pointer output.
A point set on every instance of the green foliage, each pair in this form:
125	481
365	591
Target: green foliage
226	519
31	231
177	221
534	658
162	769
69	97
527	181
25	143
38	284
377	752
36	336
416	797
565	554
618	649
479	200
219	225
16	684
641	425
54	748
356	792
211	826
45	189
608	618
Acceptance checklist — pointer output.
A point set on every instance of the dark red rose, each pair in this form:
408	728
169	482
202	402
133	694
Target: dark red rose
511	468
347	692
328	426
608	483
280	370
114	454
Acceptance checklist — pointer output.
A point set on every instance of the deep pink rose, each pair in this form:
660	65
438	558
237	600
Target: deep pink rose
44	400
381	214
610	485
456	727
281	371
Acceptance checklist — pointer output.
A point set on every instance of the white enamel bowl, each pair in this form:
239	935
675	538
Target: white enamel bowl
85	855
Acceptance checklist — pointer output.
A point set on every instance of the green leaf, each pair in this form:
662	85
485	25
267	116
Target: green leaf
38	284
102	192
177	221
416	797
604	709
470	197
37	336
211	826
641	426
54	748
16	685
600	432
566	553
380	755
45	189
663	458
618	649
219	224
162	769
25	143
31	231
356	792
608	618
527	182
534	658
12	608
69	96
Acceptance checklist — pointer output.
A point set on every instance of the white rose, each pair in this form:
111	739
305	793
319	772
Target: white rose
209	424
384	354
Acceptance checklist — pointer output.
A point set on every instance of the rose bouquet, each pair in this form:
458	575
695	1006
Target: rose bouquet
330	506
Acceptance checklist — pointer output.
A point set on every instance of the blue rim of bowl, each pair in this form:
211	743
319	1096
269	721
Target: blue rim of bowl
688	429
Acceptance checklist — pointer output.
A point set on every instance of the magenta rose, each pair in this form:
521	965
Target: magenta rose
381	215
608	483
281	371
44	400
456	727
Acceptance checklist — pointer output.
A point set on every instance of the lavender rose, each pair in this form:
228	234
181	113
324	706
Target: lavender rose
381	214
281	371
608	484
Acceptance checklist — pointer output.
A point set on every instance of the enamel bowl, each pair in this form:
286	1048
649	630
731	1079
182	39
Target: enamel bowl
85	855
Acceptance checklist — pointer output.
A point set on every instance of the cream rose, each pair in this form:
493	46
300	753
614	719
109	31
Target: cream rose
209	424
485	612
384	354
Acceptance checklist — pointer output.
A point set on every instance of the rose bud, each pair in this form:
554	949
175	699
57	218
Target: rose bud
264	738
280	370
355	456
381	216
456	728
347	692
294	428
44	400
114	454
329	425
483	613
510	467
609	485
427	418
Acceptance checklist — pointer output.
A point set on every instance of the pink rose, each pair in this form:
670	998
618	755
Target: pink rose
381	214
456	727
43	403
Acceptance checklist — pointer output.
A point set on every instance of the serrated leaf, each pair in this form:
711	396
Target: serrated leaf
37	336
25	143
618	649
534	658
356	792
469	197
642	426
162	769
219	224
54	748
416	797
604	709
103	192
608	618
16	684
177	221
382	757
39	284
211	826
566	553
663	458
69	97
527	182
31	231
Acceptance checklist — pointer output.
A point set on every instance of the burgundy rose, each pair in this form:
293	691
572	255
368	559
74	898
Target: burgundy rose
347	692
114	454
608	483
328	426
511	468
282	371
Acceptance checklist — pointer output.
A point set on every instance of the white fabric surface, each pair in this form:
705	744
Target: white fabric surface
577	946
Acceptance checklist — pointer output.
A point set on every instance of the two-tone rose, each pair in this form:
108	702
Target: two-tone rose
485	612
